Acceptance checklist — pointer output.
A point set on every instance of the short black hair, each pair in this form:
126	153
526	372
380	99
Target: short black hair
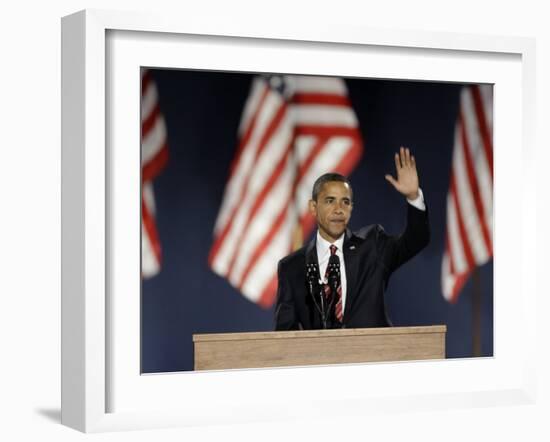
326	178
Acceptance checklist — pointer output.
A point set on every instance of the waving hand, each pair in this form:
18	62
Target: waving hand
407	176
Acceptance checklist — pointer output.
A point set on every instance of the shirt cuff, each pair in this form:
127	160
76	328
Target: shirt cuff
418	202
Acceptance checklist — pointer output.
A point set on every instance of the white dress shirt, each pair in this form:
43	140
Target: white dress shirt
323	250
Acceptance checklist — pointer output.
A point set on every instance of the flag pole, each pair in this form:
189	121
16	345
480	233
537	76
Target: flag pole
476	313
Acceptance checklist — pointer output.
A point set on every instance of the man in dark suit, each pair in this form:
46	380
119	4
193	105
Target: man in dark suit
338	280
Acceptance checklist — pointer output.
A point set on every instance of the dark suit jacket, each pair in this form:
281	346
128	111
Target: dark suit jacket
370	256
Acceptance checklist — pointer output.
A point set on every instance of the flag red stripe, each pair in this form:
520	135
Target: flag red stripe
273	125
320	98
269	293
483	127
461	228
474	186
154	166
149	225
460	280
329	131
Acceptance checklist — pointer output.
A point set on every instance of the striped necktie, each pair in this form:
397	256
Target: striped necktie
333	271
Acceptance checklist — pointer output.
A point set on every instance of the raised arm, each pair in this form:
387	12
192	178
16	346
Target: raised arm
416	236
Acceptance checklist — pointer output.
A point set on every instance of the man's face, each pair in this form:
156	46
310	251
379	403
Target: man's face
332	210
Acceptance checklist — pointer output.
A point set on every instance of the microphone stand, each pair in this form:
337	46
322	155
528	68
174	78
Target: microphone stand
312	278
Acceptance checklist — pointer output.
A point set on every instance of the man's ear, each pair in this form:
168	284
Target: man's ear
313	207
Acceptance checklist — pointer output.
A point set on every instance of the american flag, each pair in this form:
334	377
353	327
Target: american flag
469	239
154	154
293	129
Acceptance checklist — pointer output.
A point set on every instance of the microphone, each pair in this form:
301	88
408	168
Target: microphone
313	278
312	272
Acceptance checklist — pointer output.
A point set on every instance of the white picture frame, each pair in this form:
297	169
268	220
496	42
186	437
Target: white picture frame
102	389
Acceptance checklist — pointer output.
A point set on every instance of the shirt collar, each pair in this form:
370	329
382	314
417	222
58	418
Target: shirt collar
323	245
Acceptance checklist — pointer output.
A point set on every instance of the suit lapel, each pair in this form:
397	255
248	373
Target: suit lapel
350	260
311	252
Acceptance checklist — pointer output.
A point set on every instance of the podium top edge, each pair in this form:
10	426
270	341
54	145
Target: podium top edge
204	337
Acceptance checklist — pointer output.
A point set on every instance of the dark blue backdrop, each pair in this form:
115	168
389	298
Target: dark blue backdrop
202	112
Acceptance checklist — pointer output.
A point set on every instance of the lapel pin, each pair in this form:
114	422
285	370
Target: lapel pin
352	247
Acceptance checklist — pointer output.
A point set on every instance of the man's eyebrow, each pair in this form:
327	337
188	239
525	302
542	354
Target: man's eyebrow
347	198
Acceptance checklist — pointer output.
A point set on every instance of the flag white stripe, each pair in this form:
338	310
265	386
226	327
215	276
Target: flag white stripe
325	85
152	142
324	115
486	91
149	263
149	197
149	100
447	279
251	105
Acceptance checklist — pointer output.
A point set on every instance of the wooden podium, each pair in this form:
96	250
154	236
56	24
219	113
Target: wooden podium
318	347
